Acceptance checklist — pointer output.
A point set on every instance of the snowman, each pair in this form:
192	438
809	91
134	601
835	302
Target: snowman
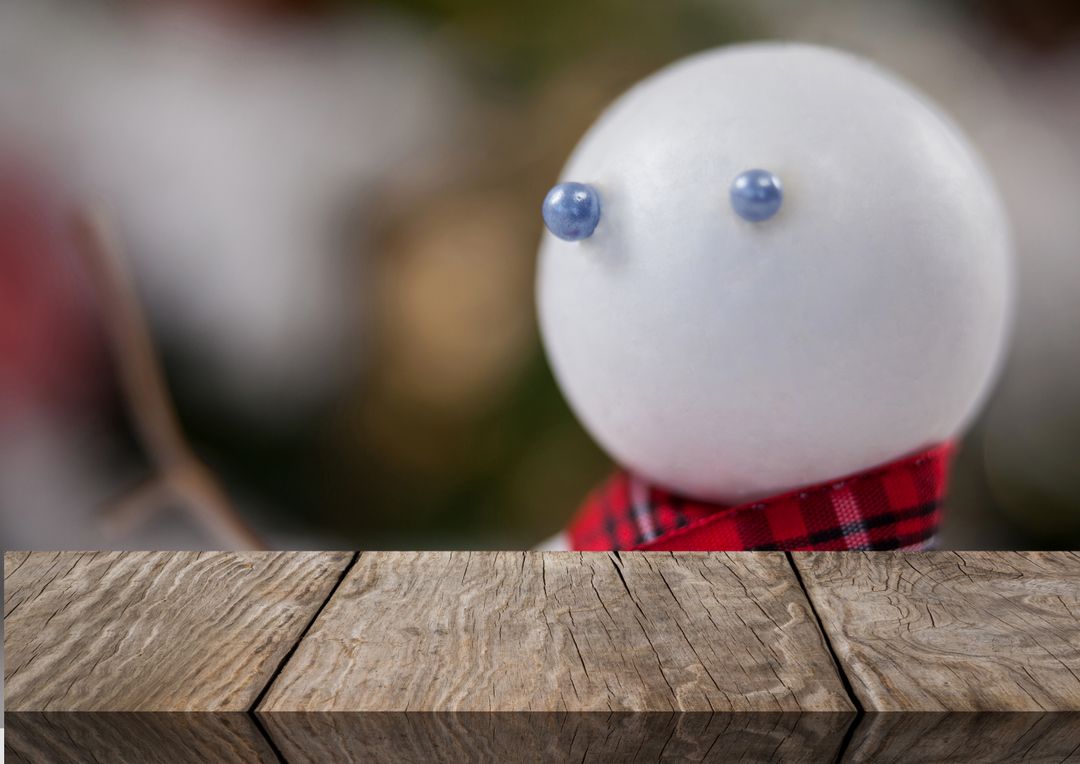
775	288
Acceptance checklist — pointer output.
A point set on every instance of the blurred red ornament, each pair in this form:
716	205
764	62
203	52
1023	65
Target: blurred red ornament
51	354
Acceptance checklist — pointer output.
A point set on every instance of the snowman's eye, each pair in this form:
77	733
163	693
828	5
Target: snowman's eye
756	195
572	211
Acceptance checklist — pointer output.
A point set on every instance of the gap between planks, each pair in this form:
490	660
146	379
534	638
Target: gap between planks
288	655
837	663
616	559
860	712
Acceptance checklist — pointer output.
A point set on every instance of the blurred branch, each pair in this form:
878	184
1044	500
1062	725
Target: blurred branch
179	473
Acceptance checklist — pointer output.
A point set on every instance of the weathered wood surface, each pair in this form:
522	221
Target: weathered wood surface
394	737
155	631
530	656
513	631
918	738
952	631
87	737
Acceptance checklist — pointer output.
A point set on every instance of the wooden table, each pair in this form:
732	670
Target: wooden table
511	656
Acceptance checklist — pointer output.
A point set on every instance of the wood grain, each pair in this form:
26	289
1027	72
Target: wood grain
899	738
563	632
540	736
155	631
80	737
952	631
497	656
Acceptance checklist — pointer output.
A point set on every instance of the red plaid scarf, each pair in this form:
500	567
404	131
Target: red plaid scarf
896	506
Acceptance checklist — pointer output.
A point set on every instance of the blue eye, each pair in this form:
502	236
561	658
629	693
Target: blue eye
756	195
571	211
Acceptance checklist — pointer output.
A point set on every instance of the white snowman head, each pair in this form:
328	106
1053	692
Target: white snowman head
782	266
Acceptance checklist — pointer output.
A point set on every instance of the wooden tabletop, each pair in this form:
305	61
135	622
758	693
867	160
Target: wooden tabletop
424	656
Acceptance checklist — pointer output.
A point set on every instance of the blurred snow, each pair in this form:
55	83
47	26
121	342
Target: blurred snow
236	160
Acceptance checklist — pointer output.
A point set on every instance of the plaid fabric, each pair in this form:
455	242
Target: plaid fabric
896	506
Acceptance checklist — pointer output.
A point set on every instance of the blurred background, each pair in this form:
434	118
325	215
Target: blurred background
327	215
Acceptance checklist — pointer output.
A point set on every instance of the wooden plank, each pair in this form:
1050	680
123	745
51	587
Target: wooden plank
155	631
556	736
85	737
569	632
952	631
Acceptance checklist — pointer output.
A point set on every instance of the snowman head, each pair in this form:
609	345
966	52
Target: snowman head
779	265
